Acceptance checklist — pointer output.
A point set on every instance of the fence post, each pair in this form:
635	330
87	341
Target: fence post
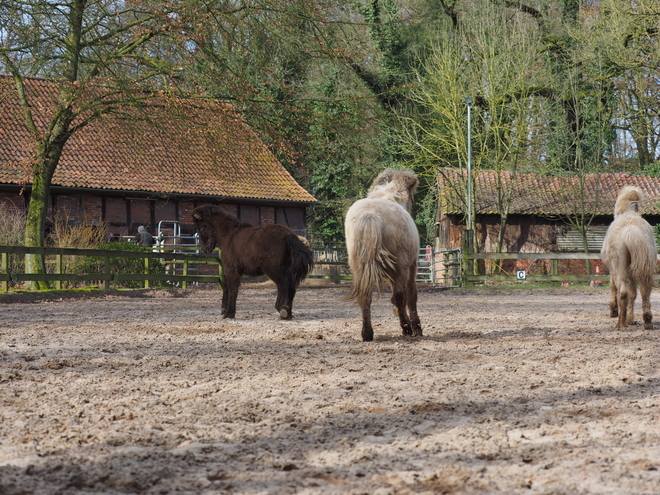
146	272
433	253
468	264
555	267
58	271
184	284
5	269
106	272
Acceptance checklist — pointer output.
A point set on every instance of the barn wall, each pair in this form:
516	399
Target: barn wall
524	234
12	201
123	215
92	210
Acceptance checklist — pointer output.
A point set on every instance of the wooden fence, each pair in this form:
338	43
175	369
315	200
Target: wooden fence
554	275
177	262
181	265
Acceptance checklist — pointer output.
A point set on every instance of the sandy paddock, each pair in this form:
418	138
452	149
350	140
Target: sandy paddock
511	391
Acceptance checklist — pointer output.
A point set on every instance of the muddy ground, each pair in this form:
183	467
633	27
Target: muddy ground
523	390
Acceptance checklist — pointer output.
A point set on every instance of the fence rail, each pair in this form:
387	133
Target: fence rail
553	276
106	277
446	268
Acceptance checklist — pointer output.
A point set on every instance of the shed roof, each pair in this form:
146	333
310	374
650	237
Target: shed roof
543	195
198	147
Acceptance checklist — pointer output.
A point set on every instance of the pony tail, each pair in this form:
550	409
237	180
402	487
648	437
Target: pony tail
302	259
644	257
372	264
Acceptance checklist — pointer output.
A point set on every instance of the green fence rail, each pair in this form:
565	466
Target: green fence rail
181	262
554	275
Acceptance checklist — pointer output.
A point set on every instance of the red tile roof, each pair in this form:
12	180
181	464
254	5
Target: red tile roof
200	148
544	195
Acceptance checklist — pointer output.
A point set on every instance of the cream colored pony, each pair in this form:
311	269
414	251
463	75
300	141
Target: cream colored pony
630	253
383	245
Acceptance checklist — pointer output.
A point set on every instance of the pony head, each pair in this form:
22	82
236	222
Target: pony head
207	237
628	200
396	185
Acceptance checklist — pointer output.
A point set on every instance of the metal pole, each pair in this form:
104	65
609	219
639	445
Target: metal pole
468	100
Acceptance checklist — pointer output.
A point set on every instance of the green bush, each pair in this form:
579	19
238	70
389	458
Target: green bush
122	265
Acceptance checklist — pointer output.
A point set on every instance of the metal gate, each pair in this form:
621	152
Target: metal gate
170	238
440	268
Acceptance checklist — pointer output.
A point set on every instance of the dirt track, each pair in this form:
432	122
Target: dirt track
510	391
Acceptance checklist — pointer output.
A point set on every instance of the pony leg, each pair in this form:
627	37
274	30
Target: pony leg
623	307
233	281
645	291
367	329
630	316
412	303
288	306
399	300
614	300
225	296
284	301
280	298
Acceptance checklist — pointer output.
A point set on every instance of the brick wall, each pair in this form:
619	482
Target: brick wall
116	214
185	213
140	213
267	215
164	211
92	209
123	216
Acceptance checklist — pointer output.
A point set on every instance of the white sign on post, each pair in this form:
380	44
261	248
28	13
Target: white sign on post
521	275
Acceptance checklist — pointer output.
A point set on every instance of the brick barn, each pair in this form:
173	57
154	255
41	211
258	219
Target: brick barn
539	207
142	169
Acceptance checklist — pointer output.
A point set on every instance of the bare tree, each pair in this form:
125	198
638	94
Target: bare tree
495	59
98	52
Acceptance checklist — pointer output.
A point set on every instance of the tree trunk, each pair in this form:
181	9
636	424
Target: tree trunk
46	161
643	154
500	241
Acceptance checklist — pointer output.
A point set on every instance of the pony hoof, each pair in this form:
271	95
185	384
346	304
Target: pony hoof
418	333
284	314
648	326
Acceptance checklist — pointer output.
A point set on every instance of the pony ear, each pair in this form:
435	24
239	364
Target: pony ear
412	187
384	177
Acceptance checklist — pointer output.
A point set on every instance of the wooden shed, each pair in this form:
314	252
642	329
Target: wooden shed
540	208
141	168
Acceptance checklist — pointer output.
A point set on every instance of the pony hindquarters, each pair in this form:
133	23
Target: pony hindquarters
299	261
630	252
635	265
383	243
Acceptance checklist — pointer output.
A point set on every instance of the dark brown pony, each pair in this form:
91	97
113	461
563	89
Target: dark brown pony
273	250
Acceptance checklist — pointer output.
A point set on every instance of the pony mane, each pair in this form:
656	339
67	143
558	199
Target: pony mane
628	200
396	185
